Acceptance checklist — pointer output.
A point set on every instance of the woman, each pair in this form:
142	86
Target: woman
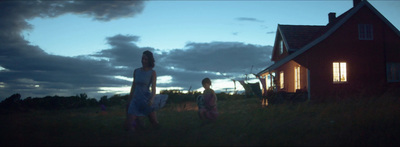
140	99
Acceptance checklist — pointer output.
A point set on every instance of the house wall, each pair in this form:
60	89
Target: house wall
276	51
366	66
303	78
289	83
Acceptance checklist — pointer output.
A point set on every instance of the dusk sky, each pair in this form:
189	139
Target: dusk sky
66	48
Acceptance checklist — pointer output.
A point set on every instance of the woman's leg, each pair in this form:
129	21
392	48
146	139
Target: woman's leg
139	123
153	118
130	124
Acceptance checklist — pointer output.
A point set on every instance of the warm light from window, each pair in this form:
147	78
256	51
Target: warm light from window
297	78
281	79
339	72
343	75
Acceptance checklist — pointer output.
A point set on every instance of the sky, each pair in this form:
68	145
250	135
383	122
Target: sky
67	48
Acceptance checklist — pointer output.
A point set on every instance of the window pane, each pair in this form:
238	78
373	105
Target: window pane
281	80
393	74
365	32
369	32
360	32
343	72
297	77
397	72
336	72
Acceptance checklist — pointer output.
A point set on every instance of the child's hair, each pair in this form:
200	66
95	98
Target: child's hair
206	80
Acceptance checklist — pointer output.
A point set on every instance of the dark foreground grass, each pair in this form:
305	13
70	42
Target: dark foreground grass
242	122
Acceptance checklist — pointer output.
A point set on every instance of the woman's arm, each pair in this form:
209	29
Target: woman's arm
132	91
153	87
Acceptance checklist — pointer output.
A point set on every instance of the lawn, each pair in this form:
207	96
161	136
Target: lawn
242	122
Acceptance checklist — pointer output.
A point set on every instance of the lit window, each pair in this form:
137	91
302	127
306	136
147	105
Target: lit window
281	46
393	72
365	32
297	78
281	79
339	72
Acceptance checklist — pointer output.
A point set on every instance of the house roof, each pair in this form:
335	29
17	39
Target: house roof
300	38
296	36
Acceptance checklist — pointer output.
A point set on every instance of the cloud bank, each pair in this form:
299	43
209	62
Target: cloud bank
28	70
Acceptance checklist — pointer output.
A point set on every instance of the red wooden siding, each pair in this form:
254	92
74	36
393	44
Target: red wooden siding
366	65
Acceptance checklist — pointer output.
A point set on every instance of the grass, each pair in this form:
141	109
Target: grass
242	122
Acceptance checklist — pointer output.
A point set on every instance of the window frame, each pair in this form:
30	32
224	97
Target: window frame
389	72
281	80
297	81
338	71
365	32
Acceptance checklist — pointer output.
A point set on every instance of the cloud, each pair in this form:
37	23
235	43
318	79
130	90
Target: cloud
28	70
216	60
103	10
14	13
190	65
271	32
224	57
58	75
249	19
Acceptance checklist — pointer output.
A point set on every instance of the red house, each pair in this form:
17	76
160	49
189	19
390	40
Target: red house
358	51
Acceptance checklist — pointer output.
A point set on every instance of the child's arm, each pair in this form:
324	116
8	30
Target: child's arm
209	100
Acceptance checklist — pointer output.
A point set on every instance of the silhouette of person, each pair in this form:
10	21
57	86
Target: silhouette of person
208	108
140	97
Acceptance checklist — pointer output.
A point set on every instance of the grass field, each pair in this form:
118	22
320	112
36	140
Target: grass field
242	122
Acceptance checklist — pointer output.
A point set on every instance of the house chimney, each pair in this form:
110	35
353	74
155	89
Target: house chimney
355	2
332	16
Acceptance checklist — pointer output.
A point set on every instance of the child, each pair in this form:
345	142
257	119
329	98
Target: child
200	104
208	102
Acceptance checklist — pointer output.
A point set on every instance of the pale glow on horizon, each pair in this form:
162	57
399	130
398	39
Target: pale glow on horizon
216	73
123	78
2	68
127	89
223	85
161	79
164	79
117	90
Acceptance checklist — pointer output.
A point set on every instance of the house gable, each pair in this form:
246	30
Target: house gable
321	34
289	38
296	36
359	51
279	51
